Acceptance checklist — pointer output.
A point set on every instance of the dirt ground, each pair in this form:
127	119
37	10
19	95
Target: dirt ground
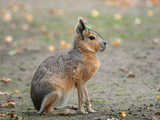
128	79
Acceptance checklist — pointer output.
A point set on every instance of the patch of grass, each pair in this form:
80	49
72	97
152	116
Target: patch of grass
99	102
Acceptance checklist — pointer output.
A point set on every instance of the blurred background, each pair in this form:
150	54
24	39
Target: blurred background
127	84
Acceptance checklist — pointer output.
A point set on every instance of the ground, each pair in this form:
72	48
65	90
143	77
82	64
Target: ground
128	79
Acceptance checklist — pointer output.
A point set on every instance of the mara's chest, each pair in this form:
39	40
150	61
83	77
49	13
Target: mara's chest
90	68
86	70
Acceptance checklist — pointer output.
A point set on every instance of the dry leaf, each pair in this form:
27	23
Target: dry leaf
56	11
117	16
19	50
8	104
137	21
64	44
116	43
95	13
158	96
7	17
155	2
4	93
8	39
123	114
156	41
150	13
5	80
131	75
20	118
2	114
17	91
123	70
51	48
29	17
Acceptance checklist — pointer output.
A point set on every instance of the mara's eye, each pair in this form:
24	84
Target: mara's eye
91	37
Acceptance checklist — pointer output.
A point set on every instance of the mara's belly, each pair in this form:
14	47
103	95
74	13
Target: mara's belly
63	100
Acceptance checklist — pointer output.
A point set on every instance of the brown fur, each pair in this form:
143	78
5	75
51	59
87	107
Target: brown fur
59	74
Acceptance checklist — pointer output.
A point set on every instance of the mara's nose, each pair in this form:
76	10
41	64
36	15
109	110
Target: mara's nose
105	43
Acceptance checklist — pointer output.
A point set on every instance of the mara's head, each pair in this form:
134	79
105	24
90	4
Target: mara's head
88	39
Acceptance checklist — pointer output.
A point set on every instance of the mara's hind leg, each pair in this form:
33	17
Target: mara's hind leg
49	101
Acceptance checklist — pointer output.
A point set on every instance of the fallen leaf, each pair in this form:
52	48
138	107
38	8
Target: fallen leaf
117	16
20	118
137	21
5	80
17	91
116	43
19	50
123	70
56	11
7	17
158	96
2	114
29	17
95	13
155	2
12	53
9	39
131	75
156	41
123	114
51	48
64	44
150	13
8	104
4	93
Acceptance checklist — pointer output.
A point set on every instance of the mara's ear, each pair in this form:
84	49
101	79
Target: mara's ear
80	27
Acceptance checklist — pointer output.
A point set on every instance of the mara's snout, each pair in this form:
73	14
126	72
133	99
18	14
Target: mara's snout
103	45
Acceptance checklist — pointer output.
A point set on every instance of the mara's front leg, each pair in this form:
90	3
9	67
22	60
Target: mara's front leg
80	97
87	100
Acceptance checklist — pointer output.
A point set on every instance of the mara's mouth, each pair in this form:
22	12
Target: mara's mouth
102	48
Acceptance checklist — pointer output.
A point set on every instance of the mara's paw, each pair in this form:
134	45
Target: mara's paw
90	110
83	111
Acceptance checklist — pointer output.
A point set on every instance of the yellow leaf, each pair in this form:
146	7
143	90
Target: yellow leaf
123	114
29	17
64	44
51	48
68	45
116	43
158	96
150	13
95	13
17	91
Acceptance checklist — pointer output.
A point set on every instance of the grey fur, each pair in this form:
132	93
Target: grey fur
59	64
